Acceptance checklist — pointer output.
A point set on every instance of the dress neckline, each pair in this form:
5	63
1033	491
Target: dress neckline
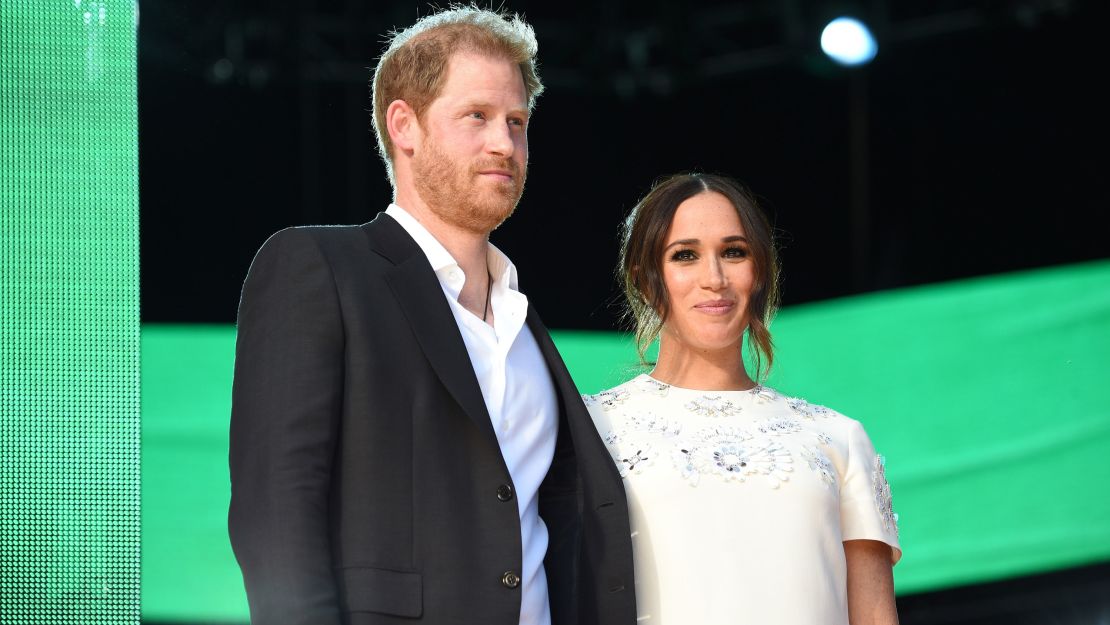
751	391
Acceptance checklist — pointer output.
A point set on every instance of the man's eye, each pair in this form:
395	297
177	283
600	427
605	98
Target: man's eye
477	115
682	255
516	121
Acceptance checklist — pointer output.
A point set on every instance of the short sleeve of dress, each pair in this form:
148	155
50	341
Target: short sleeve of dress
866	509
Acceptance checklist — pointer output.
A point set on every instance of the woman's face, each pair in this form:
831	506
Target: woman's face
708	273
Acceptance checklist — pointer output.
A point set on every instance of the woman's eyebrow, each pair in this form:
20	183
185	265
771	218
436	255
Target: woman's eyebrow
728	239
682	242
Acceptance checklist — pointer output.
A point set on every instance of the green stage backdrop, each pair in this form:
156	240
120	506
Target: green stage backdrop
69	313
989	398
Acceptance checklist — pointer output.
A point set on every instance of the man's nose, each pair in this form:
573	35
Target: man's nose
499	140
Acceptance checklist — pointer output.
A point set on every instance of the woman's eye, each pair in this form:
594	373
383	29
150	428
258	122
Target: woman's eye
682	255
736	252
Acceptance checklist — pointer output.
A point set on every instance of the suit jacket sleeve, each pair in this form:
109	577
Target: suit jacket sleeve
286	403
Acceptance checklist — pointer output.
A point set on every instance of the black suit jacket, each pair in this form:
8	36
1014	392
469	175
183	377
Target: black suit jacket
364	468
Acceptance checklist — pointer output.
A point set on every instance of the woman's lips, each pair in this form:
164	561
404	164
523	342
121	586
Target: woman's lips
715	307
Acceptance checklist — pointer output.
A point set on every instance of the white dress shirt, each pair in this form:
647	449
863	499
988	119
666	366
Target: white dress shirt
518	393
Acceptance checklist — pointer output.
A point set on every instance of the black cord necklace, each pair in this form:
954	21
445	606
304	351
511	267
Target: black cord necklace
489	290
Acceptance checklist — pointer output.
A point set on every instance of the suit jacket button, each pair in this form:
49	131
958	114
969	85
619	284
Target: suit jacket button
504	492
510	579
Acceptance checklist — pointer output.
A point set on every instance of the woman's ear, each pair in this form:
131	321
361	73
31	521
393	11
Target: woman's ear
403	125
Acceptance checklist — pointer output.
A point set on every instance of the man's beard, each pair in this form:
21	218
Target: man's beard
452	191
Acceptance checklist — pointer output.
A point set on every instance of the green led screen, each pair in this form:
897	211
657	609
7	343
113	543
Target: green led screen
988	398
69	331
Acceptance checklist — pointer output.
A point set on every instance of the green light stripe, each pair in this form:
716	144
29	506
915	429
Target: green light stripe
987	396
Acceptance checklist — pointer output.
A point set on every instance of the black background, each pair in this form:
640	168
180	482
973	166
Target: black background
983	140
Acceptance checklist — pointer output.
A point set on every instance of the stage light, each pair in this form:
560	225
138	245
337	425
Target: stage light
848	41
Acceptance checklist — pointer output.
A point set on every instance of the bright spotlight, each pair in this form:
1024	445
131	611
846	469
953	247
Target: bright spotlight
848	41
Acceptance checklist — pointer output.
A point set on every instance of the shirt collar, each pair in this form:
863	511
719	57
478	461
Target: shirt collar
500	267
437	255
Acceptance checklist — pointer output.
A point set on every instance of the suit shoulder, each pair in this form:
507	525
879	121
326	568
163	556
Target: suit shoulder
331	242
302	248
319	236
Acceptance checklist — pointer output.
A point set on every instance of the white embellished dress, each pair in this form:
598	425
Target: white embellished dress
740	501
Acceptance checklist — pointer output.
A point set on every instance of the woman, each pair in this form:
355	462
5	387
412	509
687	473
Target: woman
746	506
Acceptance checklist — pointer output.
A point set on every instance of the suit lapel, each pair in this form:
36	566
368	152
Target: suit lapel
420	295
593	459
554	361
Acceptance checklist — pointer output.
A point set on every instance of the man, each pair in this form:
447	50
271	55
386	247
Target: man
406	444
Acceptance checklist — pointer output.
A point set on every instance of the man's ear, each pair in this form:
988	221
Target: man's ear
403	126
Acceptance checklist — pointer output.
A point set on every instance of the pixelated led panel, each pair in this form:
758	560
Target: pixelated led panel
69	330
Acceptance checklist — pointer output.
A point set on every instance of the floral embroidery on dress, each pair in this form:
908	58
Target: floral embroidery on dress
883	500
688	456
820	464
733	455
649	422
762	394
639	456
655	386
731	458
608	399
727	445
757	457
779	425
712	406
805	409
800	407
684	461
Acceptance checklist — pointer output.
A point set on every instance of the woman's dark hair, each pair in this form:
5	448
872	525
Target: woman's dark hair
640	270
